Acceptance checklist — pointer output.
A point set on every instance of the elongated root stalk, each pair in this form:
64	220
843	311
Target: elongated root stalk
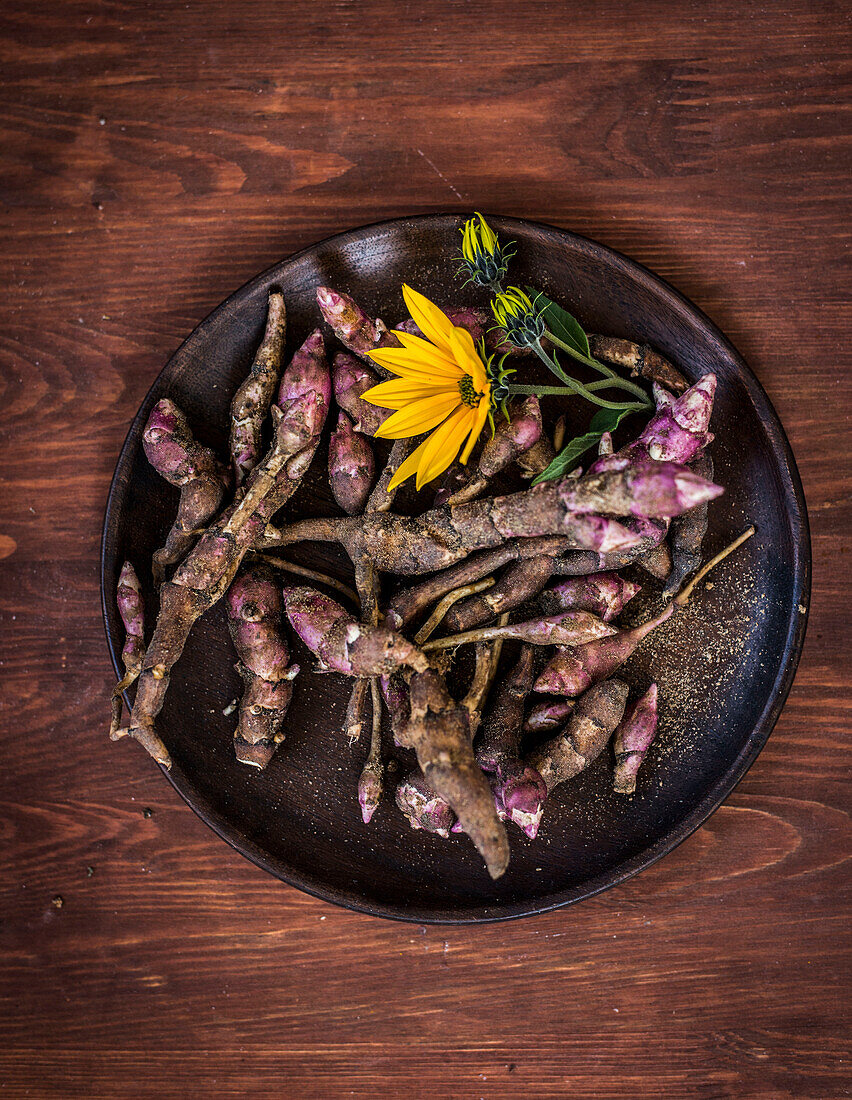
571	628
682	597
440	612
309	574
132	611
640	359
438	733
353	723
371	782
251	402
574	509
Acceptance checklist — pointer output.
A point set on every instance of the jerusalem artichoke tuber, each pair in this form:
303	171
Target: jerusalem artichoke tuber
351	467
174	453
256	623
251	402
632	740
573	671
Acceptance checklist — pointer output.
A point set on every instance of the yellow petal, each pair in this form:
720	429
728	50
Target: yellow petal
412	362
442	446
418	417
408	467
489	237
432	322
412	342
400	392
467	358
479	418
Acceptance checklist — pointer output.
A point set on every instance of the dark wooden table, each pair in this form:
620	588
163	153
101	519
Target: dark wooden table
156	155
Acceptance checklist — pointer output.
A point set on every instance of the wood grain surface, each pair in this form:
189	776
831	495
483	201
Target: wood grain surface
154	156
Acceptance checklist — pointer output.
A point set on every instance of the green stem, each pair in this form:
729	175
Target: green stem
621	384
611	378
601	368
569	391
577	387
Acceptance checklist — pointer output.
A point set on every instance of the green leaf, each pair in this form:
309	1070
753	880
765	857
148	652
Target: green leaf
607	420
566	460
560	322
604	420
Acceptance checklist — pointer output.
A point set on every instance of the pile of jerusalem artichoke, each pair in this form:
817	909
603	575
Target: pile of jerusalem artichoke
534	571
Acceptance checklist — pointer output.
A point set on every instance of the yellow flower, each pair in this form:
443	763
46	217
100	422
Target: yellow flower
477	240
441	387
514	312
483	259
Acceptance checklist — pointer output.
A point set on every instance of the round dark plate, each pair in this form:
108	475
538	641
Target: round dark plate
724	666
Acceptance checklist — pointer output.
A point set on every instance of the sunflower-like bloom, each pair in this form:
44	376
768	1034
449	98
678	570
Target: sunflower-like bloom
514	312
442	387
483	258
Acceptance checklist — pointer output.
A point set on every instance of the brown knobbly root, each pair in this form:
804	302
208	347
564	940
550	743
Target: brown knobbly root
409	602
518	788
571	508
658	560
548	715
640	359
353	723
251	402
589	729
438	733
205	575
569	628
519	583
687	535
310	574
256	622
632	740
185	463
535	461
132	612
381	499
371	782
343	644
422	808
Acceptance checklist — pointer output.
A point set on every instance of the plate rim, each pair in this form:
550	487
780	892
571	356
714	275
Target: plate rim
724	786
